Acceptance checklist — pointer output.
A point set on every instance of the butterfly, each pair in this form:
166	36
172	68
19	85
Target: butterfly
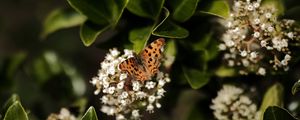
145	65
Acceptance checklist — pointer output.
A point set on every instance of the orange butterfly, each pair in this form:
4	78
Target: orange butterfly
146	64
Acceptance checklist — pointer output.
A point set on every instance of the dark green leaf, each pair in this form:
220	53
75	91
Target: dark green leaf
90	114
273	97
169	29
296	87
170	53
146	8
203	43
89	32
277	113
60	19
186	103
9	102
101	12
183	9
139	37
218	8
15	112
15	63
196	78
278	4
293	13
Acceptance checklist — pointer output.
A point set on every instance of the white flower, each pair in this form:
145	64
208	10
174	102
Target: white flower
136	86
150	108
244	53
120	85
261	71
231	104
290	35
268	15
270	29
256	34
123	76
135	114
111	90
150	85
151	99
222	47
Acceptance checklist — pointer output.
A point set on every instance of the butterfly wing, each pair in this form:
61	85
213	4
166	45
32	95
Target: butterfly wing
134	69
151	56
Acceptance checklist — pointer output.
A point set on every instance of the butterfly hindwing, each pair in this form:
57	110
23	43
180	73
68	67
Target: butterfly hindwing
134	69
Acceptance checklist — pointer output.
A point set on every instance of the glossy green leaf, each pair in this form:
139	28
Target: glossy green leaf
9	102
196	78
60	19
273	97
218	8
169	29
203	43
277	113
146	8
90	114
101	12
15	112
170	53
278	4
89	32
139	37
183	9
296	87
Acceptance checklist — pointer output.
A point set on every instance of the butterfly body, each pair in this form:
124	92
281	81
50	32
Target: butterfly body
146	64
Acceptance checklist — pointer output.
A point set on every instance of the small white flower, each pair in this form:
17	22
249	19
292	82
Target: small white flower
123	76
120	117
136	86
244	53
150	85
150	108
256	34
151	99
262	71
268	15
253	55
263	43
287	57
158	105
256	4
114	52
160	92
135	113
290	35
245	62
111	90
161	82
250	7
120	85
222	47
270	29
256	21
124	95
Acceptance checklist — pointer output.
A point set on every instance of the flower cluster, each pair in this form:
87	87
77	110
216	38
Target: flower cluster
231	104
255	39
122	96
64	114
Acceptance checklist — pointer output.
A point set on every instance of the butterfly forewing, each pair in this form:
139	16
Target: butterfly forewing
151	56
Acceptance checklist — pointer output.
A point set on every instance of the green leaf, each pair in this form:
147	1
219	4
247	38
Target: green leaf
273	97
90	114
278	4
203	43
60	19
223	71
167	28
170	53
15	112
296	87
101	12
9	102
293	13
146	8
16	61
277	113
139	37
183	9
89	32
186	103
196	78
219	8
